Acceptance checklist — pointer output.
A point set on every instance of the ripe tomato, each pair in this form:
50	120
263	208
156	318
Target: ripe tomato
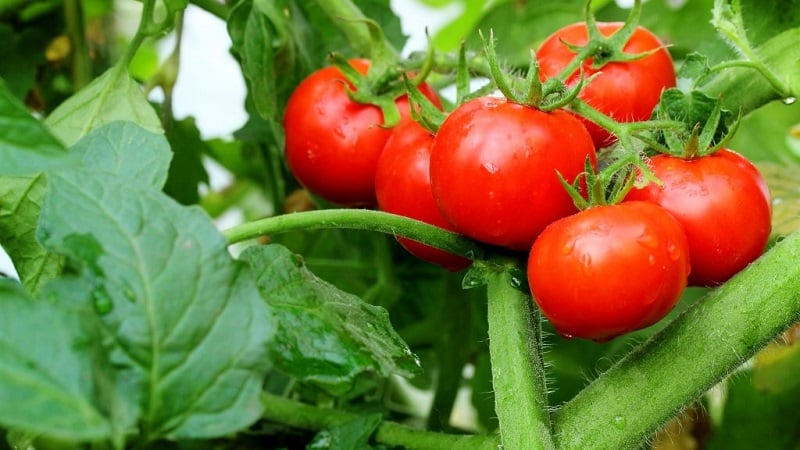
724	205
402	185
494	169
627	91
332	142
609	270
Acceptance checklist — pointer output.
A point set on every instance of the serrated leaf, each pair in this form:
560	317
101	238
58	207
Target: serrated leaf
188	321
112	96
325	336
26	147
186	170
49	380
351	435
126	150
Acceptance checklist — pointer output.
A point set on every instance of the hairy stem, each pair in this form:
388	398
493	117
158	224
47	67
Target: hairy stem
518	374
300	415
358	219
694	352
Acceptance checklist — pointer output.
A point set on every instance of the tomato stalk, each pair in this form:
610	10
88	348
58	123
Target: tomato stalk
610	413
307	417
358	219
518	373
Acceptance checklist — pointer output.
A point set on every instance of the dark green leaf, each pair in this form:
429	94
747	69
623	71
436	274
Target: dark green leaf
189	324
112	96
26	147
17	62
352	435
324	335
186	171
50	381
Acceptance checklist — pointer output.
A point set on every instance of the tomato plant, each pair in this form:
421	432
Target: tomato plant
333	142
609	270
151	219
403	186
495	165
723	203
626	90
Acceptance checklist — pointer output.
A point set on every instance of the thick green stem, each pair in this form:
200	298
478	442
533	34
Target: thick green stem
518	374
81	63
307	417
358	219
625	405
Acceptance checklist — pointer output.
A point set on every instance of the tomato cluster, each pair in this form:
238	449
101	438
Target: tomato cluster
494	171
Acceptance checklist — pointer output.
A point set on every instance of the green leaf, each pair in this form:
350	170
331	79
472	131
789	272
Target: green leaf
186	171
128	151
352	435
26	147
325	336
20	205
17	62
188	322
112	96
49	380
785	189
119	148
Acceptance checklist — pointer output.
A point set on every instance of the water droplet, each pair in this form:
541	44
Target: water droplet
789	100
472	279
620	422
673	251
651	259
565	335
491	168
338	131
568	248
516	282
647	240
586	260
102	304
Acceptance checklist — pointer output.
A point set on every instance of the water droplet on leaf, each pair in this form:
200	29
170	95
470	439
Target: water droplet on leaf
103	304
620	422
789	100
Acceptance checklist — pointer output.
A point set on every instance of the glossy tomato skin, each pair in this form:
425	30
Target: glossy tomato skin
403	187
627	91
724	205
332	142
494	169
609	270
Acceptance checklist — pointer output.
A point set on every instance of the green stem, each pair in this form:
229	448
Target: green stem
81	63
625	405
358	219
213	7
350	21
142	32
307	417
517	368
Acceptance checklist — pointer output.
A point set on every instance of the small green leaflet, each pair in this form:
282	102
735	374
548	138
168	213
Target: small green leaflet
110	97
325	336
351	435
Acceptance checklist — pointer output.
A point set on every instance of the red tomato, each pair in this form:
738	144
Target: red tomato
724	205
332	142
494	169
609	270
402	185
626	91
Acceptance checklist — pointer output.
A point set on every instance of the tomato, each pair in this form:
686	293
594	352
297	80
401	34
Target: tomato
609	270
332	142
724	205
627	91
494	169
402	185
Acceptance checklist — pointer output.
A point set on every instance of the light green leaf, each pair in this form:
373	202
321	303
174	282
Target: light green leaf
188	321
325	336
26	147
48	379
126	150
112	96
